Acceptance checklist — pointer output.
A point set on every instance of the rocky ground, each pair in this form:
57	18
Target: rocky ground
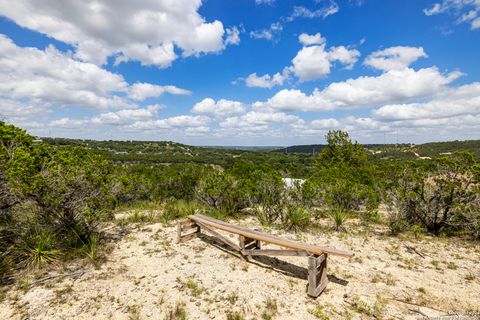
146	275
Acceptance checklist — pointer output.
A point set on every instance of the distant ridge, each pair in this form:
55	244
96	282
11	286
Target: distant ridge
426	149
315	148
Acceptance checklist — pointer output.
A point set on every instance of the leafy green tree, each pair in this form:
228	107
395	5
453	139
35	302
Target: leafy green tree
344	179
341	151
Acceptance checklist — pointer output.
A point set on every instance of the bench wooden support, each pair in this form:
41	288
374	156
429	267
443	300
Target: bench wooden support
317	274
187	225
248	244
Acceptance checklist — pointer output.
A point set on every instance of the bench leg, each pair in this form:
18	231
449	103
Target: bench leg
187	225
317	274
248	244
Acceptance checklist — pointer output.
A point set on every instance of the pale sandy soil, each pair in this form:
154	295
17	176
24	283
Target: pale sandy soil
146	274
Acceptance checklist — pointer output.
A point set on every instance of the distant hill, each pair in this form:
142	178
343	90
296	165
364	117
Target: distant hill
171	152
400	151
311	148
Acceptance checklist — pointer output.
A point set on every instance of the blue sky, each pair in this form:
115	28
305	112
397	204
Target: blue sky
249	72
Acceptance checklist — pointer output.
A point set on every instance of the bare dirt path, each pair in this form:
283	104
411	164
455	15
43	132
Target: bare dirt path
148	276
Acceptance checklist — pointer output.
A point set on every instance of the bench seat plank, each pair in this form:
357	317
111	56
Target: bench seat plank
291	244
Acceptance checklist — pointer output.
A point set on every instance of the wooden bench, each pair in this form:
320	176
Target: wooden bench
250	245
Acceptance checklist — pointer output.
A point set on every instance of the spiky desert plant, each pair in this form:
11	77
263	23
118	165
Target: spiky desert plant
296	219
91	248
339	217
39	250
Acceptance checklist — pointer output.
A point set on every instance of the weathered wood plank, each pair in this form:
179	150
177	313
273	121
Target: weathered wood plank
317	275
265	237
318	290
272	252
179	232
219	237
241	242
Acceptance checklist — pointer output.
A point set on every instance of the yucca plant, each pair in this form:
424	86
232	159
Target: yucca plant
296	219
91	248
339	217
38	251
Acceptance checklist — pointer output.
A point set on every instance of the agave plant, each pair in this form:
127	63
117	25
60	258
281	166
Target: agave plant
339	218
296	218
91	248
38	251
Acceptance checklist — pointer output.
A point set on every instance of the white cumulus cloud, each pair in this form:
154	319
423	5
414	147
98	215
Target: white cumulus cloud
267	81
394	58
51	78
181	121
393	85
308	40
147	31
220	108
314	61
126	116
140	91
450	102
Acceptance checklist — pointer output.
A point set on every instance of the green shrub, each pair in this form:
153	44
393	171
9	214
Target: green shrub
444	199
371	216
396	222
219	214
175	209
271	197
220	191
52	198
